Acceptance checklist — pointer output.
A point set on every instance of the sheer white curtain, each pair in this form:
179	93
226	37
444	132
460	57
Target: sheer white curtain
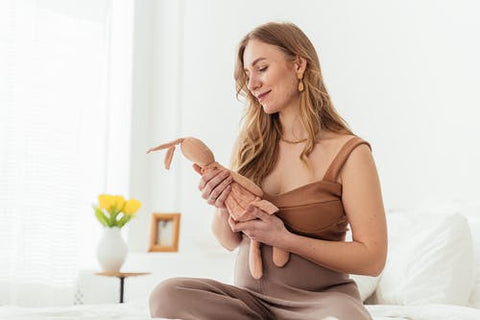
64	137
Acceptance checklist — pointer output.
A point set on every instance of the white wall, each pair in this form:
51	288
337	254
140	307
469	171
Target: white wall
404	74
156	110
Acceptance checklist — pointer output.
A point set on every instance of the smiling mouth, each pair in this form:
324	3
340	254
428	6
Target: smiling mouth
263	95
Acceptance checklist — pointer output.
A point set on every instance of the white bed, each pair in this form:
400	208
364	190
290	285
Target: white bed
140	312
432	273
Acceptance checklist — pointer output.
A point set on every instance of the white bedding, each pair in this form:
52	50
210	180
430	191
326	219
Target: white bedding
424	312
140	312
79	312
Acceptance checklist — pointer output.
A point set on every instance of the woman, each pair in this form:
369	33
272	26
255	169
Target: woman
322	177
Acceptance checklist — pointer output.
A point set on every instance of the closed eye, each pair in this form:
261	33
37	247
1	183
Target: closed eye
262	69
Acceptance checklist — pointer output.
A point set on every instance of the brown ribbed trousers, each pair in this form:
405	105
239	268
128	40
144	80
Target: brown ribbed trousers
301	290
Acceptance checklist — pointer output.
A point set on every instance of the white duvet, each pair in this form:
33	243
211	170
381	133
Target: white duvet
424	312
140	312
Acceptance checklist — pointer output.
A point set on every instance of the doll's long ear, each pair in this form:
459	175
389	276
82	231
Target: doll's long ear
166	145
168	157
169	154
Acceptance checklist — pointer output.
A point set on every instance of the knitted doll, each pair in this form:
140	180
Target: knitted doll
243	192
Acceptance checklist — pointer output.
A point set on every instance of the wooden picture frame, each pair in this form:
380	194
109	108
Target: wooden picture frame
164	232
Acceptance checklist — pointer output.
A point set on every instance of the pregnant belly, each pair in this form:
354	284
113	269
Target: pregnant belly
296	277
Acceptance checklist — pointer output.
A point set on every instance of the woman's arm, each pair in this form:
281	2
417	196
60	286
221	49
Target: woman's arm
215	187
362	201
222	231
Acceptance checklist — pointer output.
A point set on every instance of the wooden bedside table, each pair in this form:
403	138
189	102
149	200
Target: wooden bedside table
121	276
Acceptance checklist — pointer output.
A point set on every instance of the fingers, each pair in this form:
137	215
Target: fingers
197	168
214	186
250	225
220	202
212	179
237	226
265	228
220	193
250	228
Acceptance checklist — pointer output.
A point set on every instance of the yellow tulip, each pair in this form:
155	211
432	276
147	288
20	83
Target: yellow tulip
132	206
110	206
119	202
105	201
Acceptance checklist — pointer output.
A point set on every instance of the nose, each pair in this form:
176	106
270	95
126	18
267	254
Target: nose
253	83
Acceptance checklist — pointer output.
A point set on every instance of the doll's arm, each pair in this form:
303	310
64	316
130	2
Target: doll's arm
266	206
247	184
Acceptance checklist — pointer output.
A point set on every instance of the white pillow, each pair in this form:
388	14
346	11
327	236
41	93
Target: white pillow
430	260
471	210
366	285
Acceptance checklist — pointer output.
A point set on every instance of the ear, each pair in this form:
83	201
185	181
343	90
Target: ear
300	64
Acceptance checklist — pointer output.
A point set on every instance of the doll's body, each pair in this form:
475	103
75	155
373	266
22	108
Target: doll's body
243	193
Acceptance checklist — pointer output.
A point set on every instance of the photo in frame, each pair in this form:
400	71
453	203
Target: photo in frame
164	232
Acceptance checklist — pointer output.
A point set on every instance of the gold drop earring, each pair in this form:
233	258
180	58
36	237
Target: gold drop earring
301	87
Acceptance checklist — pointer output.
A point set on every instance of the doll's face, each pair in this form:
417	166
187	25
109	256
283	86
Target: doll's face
272	77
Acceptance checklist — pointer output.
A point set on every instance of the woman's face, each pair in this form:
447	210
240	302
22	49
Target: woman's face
271	77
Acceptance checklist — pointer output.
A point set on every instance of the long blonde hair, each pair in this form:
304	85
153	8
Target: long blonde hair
256	151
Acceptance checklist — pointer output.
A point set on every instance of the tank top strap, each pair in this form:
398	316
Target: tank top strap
342	156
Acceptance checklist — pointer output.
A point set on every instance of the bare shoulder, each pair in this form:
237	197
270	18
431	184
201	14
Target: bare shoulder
325	151
359	162
335	139
332	142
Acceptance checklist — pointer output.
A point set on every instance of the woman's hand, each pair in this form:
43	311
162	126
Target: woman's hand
268	229
215	186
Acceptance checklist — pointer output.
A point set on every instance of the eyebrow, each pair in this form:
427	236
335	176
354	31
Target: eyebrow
255	62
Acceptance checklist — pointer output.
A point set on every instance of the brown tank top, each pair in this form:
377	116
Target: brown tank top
316	209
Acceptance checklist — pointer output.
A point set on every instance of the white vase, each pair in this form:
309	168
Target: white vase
111	250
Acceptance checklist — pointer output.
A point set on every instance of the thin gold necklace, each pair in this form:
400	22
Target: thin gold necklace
293	141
